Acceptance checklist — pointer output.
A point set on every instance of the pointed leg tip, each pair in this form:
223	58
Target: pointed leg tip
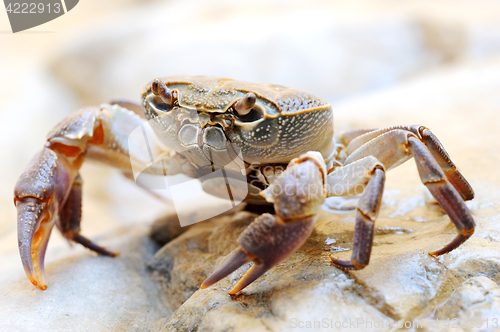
206	284
239	286
233	291
439	252
338	261
346	265
43	287
252	274
235	260
34	282
104	252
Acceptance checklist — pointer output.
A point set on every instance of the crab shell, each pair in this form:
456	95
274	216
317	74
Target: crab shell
203	126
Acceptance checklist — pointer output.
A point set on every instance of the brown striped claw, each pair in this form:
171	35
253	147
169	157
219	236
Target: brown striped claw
297	196
34	229
48	193
39	193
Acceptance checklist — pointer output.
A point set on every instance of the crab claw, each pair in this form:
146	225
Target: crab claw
33	229
39	193
267	241
297	196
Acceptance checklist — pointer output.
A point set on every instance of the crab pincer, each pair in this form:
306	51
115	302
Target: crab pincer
297	196
38	200
48	193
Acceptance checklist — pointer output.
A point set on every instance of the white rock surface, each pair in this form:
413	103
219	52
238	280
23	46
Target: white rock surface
474	305
86	292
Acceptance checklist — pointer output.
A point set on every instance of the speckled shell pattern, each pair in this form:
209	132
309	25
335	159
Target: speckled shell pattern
294	122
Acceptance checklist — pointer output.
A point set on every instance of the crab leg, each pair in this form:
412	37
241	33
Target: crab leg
297	196
443	159
355	139
49	191
396	146
365	176
367	211
445	193
70	217
348	136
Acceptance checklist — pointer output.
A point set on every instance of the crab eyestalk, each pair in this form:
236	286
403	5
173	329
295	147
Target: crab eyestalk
161	90
245	104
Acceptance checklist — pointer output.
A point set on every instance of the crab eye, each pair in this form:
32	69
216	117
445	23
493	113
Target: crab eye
245	104
162	99
246	110
161	90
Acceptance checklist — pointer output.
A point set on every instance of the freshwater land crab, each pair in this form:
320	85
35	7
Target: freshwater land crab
292	159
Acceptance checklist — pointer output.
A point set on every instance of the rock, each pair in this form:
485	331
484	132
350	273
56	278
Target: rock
198	243
473	305
85	291
280	299
166	228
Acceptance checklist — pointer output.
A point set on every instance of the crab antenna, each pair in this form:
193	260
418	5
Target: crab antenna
245	104
160	89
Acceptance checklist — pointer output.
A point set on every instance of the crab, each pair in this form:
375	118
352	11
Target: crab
290	160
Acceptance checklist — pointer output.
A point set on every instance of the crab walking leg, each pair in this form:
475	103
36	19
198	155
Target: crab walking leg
367	211
297	195
366	176
357	138
348	136
352	179
41	193
69	220
445	193
130	105
443	159
398	145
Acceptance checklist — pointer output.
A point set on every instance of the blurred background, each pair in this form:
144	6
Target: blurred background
380	63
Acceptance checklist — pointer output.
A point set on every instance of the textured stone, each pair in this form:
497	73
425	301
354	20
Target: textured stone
474	305
85	291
